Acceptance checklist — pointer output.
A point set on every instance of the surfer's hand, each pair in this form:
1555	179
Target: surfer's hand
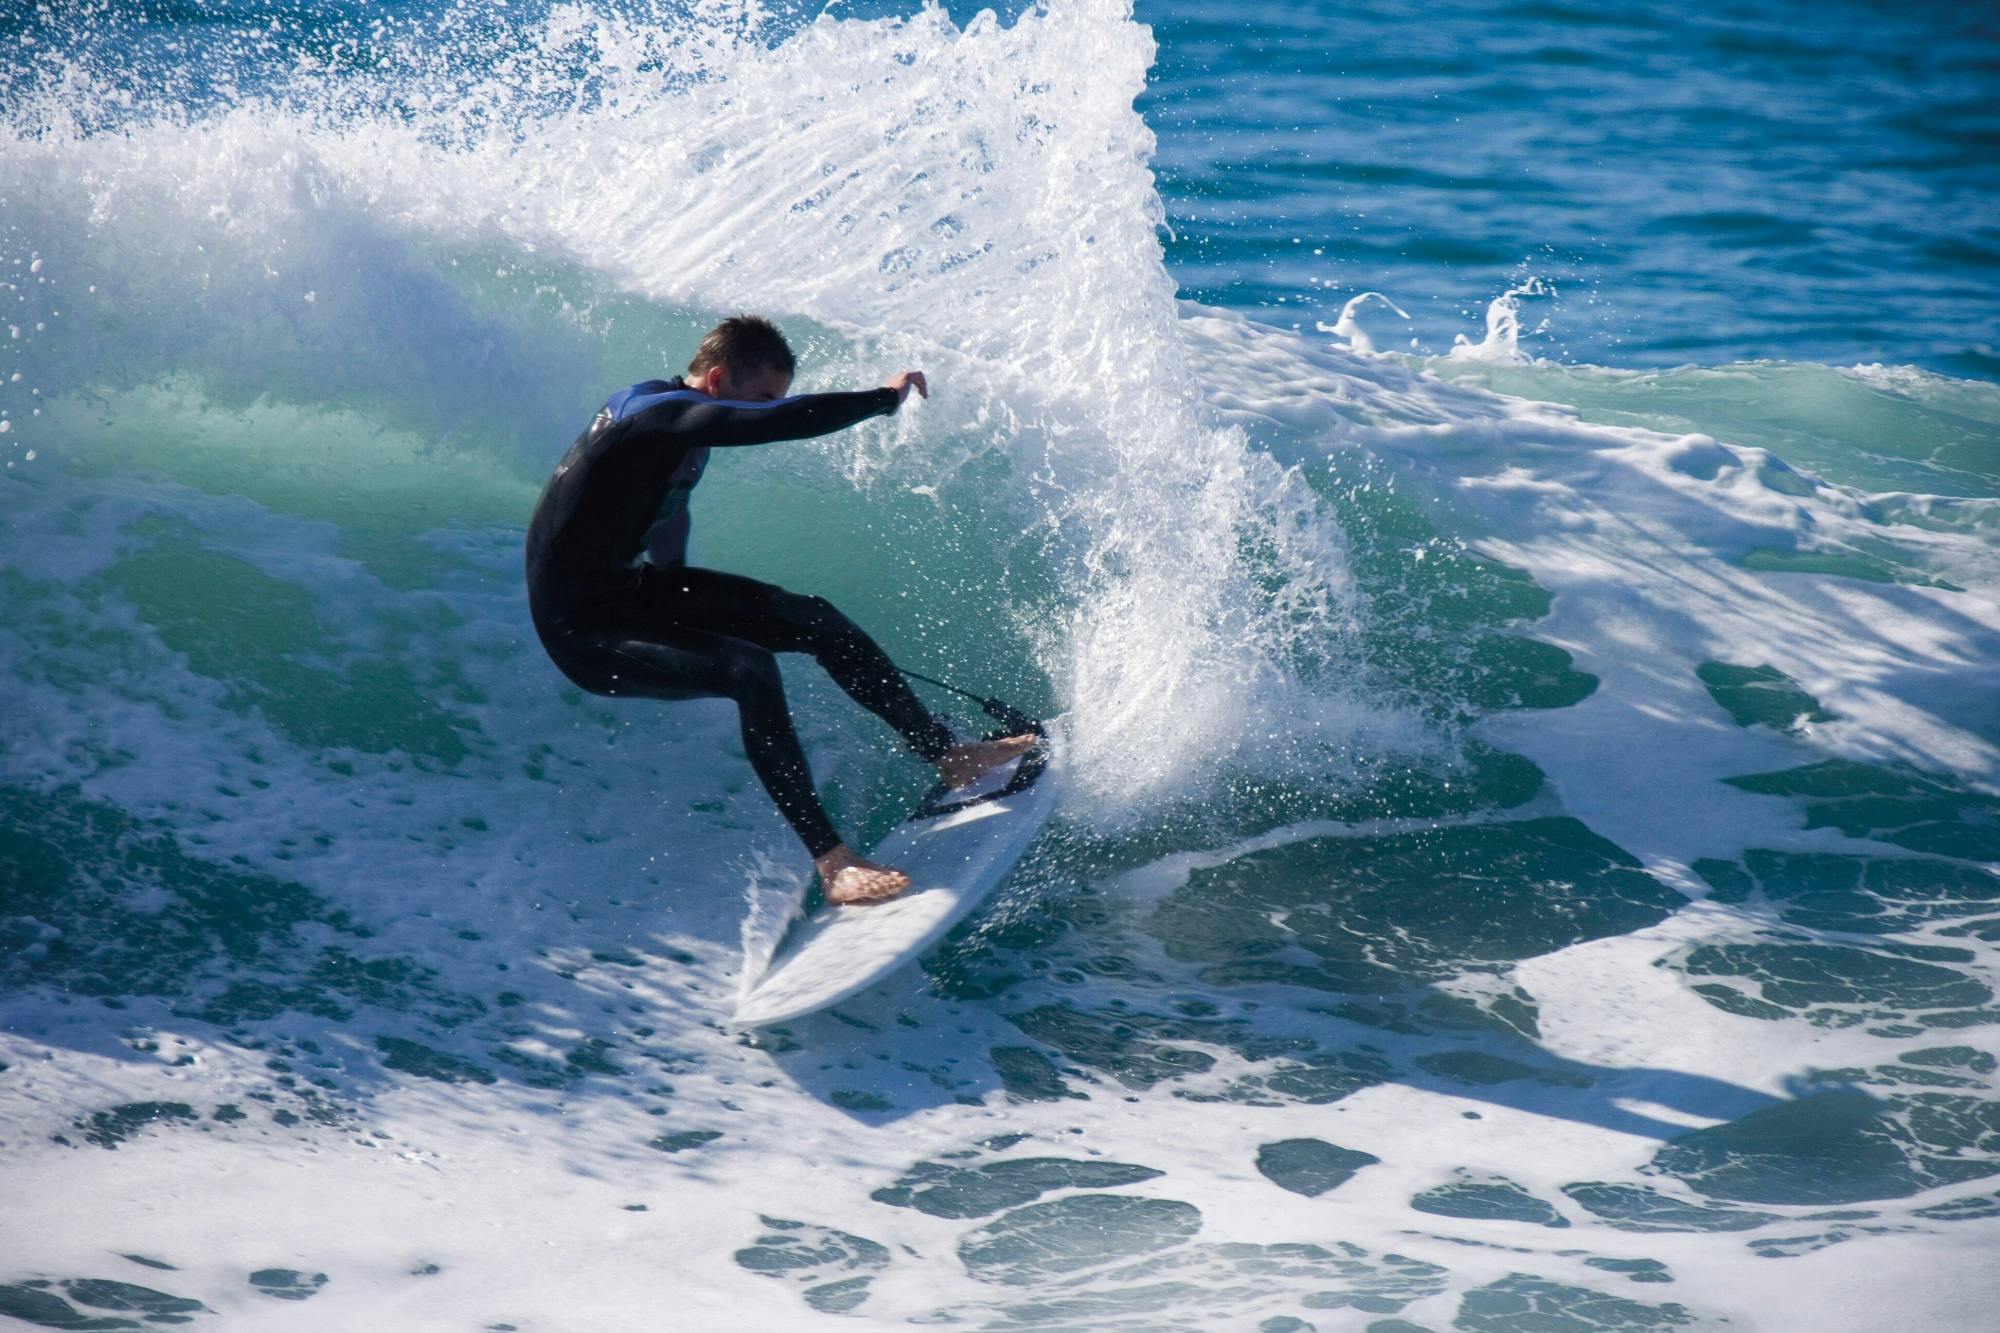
908	380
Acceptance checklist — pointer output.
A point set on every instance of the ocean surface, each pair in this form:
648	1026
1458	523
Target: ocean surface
1531	856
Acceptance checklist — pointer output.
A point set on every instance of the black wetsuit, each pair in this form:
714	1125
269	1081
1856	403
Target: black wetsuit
621	612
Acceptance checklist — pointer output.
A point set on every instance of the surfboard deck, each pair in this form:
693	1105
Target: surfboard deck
956	848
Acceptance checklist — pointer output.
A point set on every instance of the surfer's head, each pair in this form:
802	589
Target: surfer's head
744	358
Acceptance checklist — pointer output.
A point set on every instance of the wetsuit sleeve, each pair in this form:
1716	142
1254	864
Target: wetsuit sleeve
720	423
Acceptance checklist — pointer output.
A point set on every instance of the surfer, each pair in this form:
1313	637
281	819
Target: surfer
621	612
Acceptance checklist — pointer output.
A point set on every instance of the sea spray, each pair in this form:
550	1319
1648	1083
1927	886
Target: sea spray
1502	343
1348	326
774	894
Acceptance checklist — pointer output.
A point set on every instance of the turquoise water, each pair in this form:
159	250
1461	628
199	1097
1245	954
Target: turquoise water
1530	855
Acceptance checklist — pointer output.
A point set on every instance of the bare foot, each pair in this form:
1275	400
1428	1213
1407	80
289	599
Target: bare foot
849	879
962	766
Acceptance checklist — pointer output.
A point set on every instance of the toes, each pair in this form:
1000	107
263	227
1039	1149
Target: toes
867	886
878	894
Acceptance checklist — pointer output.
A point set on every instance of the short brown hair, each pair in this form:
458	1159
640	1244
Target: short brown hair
745	344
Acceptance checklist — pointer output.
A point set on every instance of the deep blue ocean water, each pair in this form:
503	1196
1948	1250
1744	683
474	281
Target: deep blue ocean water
1530	856
1736	182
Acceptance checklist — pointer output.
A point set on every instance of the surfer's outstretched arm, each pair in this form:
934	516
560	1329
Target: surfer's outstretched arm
716	422
724	423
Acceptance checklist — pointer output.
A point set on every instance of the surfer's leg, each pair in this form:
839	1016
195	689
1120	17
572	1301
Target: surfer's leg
785	622
694	664
860	667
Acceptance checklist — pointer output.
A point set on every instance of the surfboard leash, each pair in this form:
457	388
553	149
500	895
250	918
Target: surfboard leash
998	709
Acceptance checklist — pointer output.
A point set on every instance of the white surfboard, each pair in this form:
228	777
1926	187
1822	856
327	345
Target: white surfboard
956	849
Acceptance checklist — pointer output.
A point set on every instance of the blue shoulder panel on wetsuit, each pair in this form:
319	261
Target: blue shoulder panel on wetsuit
666	540
643	395
637	398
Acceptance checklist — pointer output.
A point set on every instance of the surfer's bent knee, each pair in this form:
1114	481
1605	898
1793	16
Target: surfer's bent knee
820	618
752	673
595	664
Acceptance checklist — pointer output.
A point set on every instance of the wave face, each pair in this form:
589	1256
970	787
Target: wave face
980	198
1531	851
